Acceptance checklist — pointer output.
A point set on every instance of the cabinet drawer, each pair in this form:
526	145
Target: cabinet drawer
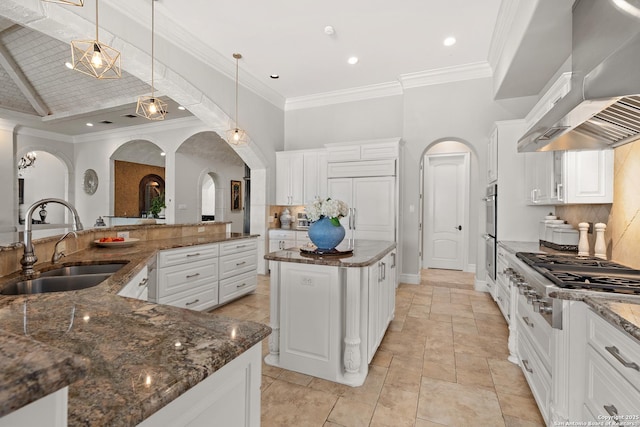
236	246
179	278
610	342
537	329
199	299
232	265
192	253
238	285
302	238
536	374
607	392
503	298
278	234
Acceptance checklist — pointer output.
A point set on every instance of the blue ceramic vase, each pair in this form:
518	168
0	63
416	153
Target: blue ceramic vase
325	235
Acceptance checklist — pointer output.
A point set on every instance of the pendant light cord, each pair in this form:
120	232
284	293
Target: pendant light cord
237	59
97	21
153	22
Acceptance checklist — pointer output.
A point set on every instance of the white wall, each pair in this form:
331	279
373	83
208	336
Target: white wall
46	178
8	191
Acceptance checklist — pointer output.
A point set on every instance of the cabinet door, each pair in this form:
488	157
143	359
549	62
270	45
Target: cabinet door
374	202
315	175
538	175
588	176
289	178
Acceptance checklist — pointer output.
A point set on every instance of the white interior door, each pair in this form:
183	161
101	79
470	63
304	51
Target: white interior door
446	194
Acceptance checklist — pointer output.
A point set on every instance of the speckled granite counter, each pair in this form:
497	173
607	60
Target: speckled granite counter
619	309
141	355
365	252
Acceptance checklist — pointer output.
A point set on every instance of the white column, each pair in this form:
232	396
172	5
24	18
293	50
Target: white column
273	358
352	351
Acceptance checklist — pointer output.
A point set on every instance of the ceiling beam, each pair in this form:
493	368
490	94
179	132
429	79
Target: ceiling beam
20	80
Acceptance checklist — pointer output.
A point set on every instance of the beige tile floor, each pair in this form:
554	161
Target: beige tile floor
442	362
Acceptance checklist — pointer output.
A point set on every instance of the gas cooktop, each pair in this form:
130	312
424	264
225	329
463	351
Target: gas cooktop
576	272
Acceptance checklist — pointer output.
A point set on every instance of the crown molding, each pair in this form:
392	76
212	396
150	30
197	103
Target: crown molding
457	73
348	95
146	128
44	134
506	17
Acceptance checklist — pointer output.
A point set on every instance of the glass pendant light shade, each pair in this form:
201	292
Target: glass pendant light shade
69	2
94	58
151	108
237	136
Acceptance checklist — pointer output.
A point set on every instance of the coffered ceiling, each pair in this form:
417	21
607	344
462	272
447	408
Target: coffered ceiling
392	40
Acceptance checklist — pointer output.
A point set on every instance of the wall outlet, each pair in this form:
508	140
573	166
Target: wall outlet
124	234
200	229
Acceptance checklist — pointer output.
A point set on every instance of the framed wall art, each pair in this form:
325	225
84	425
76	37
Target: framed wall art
236	195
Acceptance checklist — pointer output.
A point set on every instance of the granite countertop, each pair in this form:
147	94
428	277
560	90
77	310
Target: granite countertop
128	358
364	253
621	310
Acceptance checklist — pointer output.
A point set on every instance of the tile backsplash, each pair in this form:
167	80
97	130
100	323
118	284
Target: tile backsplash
623	216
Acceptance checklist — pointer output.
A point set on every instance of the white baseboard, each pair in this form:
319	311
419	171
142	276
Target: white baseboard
412	279
471	268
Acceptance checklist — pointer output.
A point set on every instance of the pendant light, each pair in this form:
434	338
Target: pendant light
94	58
236	136
151	107
68	2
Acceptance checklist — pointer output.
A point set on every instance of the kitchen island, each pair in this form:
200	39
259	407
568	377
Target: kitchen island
134	361
330	313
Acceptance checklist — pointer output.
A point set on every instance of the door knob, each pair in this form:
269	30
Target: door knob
458	227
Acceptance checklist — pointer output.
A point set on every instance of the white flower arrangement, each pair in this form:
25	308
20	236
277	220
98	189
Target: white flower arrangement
327	208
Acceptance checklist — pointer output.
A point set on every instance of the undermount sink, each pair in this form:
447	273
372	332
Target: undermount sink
76	270
54	284
71	278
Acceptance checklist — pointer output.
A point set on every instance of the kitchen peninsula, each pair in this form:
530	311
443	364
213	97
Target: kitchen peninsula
330	313
138	362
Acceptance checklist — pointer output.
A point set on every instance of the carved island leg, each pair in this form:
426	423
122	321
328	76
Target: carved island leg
273	358
352	341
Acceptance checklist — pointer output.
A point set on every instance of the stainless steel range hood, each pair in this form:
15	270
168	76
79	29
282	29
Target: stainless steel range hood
602	109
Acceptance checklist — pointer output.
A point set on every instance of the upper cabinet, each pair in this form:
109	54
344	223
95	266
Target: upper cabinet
301	176
569	177
289	178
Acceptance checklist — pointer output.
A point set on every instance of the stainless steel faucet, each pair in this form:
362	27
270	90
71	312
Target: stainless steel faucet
58	255
29	257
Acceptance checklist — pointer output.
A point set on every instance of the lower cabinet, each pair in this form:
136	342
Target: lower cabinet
48	411
229	397
284	239
382	291
204	276
138	286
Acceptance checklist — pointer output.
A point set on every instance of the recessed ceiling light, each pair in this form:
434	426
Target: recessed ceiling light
449	41
353	60
275	76
90	124
69	65
181	108
329	30
163	154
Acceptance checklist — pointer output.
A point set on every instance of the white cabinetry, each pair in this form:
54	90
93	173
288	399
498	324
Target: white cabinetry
570	177
382	291
492	157
204	276
314	175
284	239
238	263
229	397
289	178
372	206
138	286
48	411
612	373
363	150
